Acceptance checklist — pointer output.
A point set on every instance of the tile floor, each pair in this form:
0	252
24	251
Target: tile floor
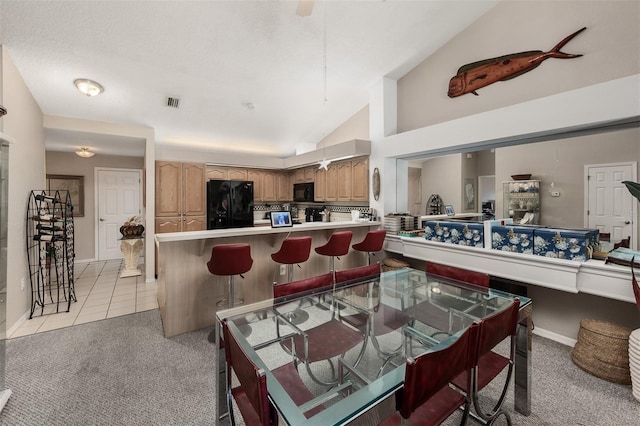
101	294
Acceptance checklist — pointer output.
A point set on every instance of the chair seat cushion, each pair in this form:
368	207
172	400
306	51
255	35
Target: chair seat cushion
288	377
326	341
489	366
434	411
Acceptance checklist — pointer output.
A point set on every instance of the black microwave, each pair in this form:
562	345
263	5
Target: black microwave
303	192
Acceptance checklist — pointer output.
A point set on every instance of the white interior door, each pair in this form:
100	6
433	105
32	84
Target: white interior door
611	208
118	200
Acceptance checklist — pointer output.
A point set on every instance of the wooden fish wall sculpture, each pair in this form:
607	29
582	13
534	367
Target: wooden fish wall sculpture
476	75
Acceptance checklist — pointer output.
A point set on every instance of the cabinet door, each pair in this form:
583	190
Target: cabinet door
193	189
168	188
269	185
344	181
285	187
360	179
309	174
256	176
194	223
331	192
237	174
168	224
320	188
298	176
217	172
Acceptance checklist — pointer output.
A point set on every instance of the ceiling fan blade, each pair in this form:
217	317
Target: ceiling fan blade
304	7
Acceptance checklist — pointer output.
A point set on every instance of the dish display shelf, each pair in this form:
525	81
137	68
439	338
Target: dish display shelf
50	251
522	201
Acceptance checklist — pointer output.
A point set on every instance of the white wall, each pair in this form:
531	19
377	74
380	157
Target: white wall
23	123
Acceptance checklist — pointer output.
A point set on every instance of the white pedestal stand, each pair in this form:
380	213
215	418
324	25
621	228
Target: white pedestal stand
131	248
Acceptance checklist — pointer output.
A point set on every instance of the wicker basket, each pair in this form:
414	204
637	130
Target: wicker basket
603	350
390	264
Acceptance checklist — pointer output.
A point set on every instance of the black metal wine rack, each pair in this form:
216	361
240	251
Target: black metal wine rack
50	251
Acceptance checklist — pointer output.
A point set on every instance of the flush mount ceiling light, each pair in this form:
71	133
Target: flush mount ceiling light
85	153
88	87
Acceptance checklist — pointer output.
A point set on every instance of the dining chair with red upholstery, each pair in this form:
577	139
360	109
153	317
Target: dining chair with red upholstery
464	275
251	395
489	364
426	397
384	319
372	243
320	343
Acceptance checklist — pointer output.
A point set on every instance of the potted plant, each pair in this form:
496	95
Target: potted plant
132	228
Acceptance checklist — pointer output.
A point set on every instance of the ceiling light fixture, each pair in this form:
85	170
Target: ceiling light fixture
85	153
88	87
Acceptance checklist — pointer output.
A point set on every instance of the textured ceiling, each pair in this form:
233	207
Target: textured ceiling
217	57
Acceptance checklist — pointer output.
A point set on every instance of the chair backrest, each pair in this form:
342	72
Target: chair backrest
495	328
360	272
300	287
464	275
623	243
230	259
373	241
338	244
252	379
428	373
293	250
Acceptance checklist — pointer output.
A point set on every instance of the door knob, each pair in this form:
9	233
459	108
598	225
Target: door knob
626	222
101	220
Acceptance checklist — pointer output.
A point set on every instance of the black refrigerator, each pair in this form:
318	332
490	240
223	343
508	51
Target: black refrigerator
229	204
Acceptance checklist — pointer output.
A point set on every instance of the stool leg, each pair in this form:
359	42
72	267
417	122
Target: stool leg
230	293
289	273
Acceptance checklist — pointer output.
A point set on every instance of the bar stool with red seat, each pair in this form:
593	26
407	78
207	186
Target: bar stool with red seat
230	260
294	250
372	243
338	245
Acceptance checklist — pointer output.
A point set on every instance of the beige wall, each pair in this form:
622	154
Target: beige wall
23	123
356	127
562	162
443	176
611	47
67	163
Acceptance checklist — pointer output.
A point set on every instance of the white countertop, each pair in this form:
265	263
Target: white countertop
259	230
444	216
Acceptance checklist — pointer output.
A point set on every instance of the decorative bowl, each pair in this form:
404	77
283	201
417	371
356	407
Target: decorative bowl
521	177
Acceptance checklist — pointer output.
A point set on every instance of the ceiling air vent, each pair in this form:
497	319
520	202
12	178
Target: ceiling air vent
173	102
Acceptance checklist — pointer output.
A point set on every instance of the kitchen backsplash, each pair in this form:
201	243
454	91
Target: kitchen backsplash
338	213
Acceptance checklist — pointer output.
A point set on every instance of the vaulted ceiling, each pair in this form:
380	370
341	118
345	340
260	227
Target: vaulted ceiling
250	76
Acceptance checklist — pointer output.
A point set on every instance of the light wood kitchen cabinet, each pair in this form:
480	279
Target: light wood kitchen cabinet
331	183
180	196
360	179
304	175
217	172
284	186
237	174
344	181
320	187
256	176
269	184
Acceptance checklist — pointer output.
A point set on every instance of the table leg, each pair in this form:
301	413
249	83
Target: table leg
522	385
221	369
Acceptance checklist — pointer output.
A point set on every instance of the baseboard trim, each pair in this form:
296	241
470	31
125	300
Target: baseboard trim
567	341
84	260
18	323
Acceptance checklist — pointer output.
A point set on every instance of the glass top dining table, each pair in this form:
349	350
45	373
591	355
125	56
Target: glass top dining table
400	314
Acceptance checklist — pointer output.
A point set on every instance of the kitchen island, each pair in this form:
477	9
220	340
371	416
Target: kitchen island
188	293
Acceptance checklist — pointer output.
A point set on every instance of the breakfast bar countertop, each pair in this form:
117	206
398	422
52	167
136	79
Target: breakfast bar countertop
259	230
